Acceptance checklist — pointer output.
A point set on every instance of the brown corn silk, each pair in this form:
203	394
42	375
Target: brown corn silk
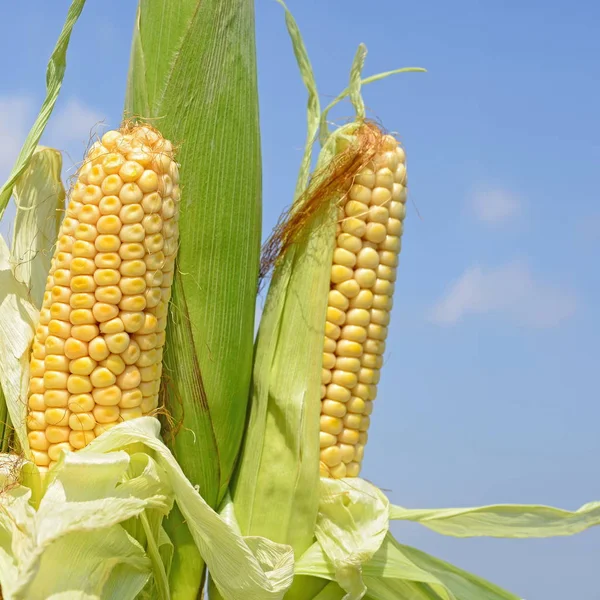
97	353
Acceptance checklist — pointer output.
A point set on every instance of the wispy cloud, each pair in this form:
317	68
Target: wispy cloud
511	291
74	122
494	206
15	116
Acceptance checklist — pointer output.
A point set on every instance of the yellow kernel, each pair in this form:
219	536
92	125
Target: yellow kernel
131	354
79	384
108	396
82	421
110	294
55	345
107	243
114	325
38	440
133	233
395	227
367	258
354	226
98	349
82	316
328	360
131	399
83	249
40	458
79	403
56	362
375	232
365	177
335	316
331	456
344	378
374	346
360	193
36	401
86	232
89	214
383	286
388	258
347	452
133	268
56	398
109	224
102	428
347	363
154	242
149	388
338	300
106	414
365	277
376	332
63	260
59	329
61	294
107	276
355	333
131	194
358	316
327	440
130	171
340	273
364	299
372	361
149	324
36	385
55	380
332	332
36	421
349	242
152	203
114	363
57	416
56	435
112	185
337	392
356	405
154	278
379	316
91	194
131	213
348	436
344	258
146	342
85	333
153	297
391	243
36	367
117	342
333	408
82	284
381	196
352	469
114	161
331	425
109	205
354	208
349	288
80	439
349	348
136	412
325	376
104	312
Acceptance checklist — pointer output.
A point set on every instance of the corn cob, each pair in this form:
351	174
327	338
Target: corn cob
363	272
97	352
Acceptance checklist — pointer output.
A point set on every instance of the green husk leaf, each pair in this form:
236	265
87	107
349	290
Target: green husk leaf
18	319
193	74
503	520
54	77
250	568
40	198
5	425
313	111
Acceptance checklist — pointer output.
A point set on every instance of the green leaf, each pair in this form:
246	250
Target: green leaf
54	77
193	73
5	426
18	319
253	568
503	520
40	198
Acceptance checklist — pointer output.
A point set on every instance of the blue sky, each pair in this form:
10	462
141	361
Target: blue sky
491	390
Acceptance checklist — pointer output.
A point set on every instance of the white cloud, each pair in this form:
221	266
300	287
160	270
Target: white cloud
75	122
15	116
494	205
510	291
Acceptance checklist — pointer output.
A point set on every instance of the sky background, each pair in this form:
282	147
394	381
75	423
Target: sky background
491	388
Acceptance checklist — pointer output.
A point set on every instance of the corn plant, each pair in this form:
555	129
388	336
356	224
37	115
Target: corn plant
145	438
